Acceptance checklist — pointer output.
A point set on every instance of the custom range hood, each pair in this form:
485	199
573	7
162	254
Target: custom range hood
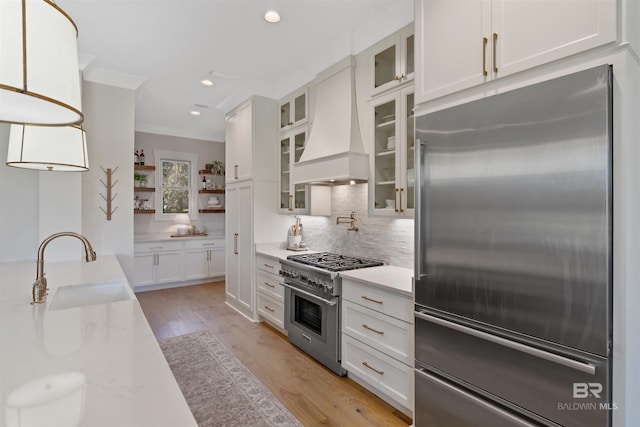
334	151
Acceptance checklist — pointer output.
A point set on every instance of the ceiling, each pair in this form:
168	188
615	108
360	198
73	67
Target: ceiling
162	49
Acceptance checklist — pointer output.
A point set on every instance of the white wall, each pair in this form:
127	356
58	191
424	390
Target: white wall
207	152
19	193
389	239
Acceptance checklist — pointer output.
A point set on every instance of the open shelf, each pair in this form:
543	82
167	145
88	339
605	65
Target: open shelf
143	168
209	172
144	211
144	189
211	191
219	210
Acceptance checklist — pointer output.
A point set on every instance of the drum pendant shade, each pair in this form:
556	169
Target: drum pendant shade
53	148
39	74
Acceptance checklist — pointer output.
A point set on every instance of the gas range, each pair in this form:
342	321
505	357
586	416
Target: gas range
312	303
318	272
334	262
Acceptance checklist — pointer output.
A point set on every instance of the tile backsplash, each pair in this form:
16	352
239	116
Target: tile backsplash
389	239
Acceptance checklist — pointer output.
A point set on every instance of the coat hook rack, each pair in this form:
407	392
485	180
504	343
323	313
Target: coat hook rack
109	185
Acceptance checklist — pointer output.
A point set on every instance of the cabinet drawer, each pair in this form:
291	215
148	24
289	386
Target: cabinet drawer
204	244
157	247
377	299
270	285
272	265
387	334
389	378
271	310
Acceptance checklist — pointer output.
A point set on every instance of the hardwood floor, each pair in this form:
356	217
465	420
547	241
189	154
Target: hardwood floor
314	394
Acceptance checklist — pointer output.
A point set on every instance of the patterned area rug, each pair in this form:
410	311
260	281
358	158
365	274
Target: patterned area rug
218	388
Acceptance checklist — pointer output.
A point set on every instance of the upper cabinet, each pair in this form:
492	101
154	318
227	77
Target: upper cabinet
391	62
293	197
391	183
294	110
251	134
463	43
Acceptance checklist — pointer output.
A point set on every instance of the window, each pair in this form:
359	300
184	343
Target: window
177	177
175	186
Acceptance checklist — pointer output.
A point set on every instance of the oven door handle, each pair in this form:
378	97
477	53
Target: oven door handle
309	294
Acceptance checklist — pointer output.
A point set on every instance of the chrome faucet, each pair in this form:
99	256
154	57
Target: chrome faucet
39	291
348	219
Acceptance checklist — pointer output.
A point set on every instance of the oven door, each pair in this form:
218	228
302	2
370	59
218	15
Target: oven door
313	325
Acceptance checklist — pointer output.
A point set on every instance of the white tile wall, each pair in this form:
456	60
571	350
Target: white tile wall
389	239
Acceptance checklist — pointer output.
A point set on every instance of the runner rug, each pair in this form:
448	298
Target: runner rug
219	389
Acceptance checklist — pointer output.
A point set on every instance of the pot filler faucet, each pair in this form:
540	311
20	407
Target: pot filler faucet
348	219
39	291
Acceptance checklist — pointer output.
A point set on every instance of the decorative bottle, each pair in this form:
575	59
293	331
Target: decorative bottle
142	156
136	158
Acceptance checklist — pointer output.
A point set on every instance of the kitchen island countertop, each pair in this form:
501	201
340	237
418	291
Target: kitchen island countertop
127	381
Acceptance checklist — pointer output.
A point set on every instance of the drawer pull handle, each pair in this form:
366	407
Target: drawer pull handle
495	44
269	308
377	371
268	266
208	244
269	285
371	299
373	330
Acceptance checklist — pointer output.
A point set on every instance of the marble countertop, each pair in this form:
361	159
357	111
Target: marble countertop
389	277
161	237
106	352
397	279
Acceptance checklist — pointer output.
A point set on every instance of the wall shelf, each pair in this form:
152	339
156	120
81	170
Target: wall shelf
143	168
144	211
209	172
220	210
144	189
211	191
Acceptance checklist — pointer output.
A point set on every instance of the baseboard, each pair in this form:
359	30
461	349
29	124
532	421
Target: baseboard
160	286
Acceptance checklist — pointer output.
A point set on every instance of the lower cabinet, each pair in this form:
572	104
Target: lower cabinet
377	341
270	292
177	262
204	258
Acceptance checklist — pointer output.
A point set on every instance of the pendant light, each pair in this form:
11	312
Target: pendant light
39	74
52	148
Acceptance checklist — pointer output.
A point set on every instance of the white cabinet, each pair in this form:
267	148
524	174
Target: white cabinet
377	341
294	198
157	263
391	186
204	258
239	286
463	43
391	61
250	130
294	109
270	305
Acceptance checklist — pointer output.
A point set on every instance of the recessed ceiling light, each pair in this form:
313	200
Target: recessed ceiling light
272	16
195	112
207	82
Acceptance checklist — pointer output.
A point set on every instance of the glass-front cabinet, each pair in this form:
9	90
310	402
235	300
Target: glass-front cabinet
294	110
392	159
293	197
392	61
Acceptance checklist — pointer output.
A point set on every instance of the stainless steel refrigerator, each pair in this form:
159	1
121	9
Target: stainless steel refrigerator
514	258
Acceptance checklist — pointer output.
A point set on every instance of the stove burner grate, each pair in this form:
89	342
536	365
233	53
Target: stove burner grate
334	262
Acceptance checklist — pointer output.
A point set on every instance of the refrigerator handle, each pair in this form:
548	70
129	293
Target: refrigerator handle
420	164
513	345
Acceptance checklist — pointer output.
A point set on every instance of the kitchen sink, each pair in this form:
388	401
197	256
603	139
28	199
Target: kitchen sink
72	296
